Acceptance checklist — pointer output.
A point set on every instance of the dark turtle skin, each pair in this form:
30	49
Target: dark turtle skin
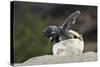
59	33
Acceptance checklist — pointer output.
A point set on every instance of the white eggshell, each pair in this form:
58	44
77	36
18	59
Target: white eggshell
68	47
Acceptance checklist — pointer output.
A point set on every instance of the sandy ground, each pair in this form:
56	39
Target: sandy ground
50	59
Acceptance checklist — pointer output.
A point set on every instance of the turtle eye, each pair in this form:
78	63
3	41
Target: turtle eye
53	30
47	31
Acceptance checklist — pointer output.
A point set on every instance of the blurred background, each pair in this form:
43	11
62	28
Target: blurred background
30	19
